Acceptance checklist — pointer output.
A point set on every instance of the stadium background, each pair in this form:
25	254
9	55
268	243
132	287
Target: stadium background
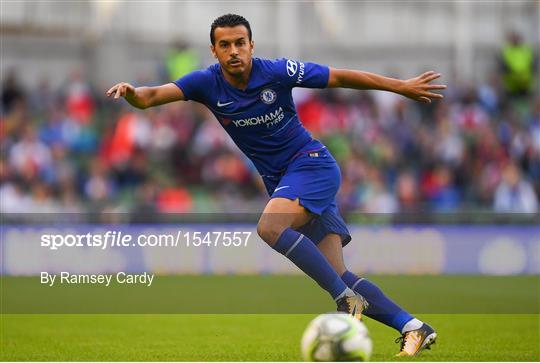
429	190
66	148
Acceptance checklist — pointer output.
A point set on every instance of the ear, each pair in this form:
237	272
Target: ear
252	46
213	50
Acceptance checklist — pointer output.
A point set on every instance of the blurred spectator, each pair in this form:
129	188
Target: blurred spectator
61	170
450	145
174	200
443	194
79	98
29	153
70	200
99	186
132	131
12	91
376	198
488	95
43	99
534	126
407	192
518	65
12	198
515	194
469	113
180	60
42	200
394	155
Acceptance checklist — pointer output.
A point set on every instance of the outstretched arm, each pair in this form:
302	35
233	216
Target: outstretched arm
417	88
144	97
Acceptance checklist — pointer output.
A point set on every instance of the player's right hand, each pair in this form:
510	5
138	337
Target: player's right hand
121	89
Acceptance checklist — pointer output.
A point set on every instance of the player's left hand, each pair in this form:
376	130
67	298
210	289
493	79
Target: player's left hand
420	89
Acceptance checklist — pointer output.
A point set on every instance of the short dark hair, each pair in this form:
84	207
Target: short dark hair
229	21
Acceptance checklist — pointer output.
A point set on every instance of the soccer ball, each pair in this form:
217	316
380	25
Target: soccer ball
336	337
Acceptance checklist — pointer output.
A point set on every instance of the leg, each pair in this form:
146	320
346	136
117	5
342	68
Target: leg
380	308
330	246
278	215
416	336
313	179
275	227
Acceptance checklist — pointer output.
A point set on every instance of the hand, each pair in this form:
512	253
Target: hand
419	88
121	90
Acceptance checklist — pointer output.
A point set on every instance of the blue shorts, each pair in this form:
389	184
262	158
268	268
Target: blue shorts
313	178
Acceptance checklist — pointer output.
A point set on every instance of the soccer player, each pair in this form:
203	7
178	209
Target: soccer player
251	98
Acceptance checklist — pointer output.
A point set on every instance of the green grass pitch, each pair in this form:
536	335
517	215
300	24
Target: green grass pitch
477	319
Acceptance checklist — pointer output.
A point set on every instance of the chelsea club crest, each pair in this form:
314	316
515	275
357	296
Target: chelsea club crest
268	96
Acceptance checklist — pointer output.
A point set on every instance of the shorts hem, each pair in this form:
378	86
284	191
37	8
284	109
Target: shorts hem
300	201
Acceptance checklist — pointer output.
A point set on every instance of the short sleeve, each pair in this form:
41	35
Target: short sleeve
194	84
301	74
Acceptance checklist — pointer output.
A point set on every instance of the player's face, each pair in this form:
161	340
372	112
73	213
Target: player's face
233	49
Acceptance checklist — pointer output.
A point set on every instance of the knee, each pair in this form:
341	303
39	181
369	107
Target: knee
268	231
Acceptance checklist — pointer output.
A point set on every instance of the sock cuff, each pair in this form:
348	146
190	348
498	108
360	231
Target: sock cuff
287	241
346	292
351	280
406	322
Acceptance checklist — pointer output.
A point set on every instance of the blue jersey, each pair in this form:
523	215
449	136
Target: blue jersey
261	119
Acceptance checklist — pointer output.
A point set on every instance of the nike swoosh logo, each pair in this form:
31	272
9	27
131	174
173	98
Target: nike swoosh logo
286	186
219	104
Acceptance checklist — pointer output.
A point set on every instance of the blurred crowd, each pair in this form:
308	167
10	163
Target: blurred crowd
71	150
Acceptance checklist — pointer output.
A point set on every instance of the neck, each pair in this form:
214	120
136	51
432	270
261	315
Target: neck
241	80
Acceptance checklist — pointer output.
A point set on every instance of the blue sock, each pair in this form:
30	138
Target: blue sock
380	308
304	254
